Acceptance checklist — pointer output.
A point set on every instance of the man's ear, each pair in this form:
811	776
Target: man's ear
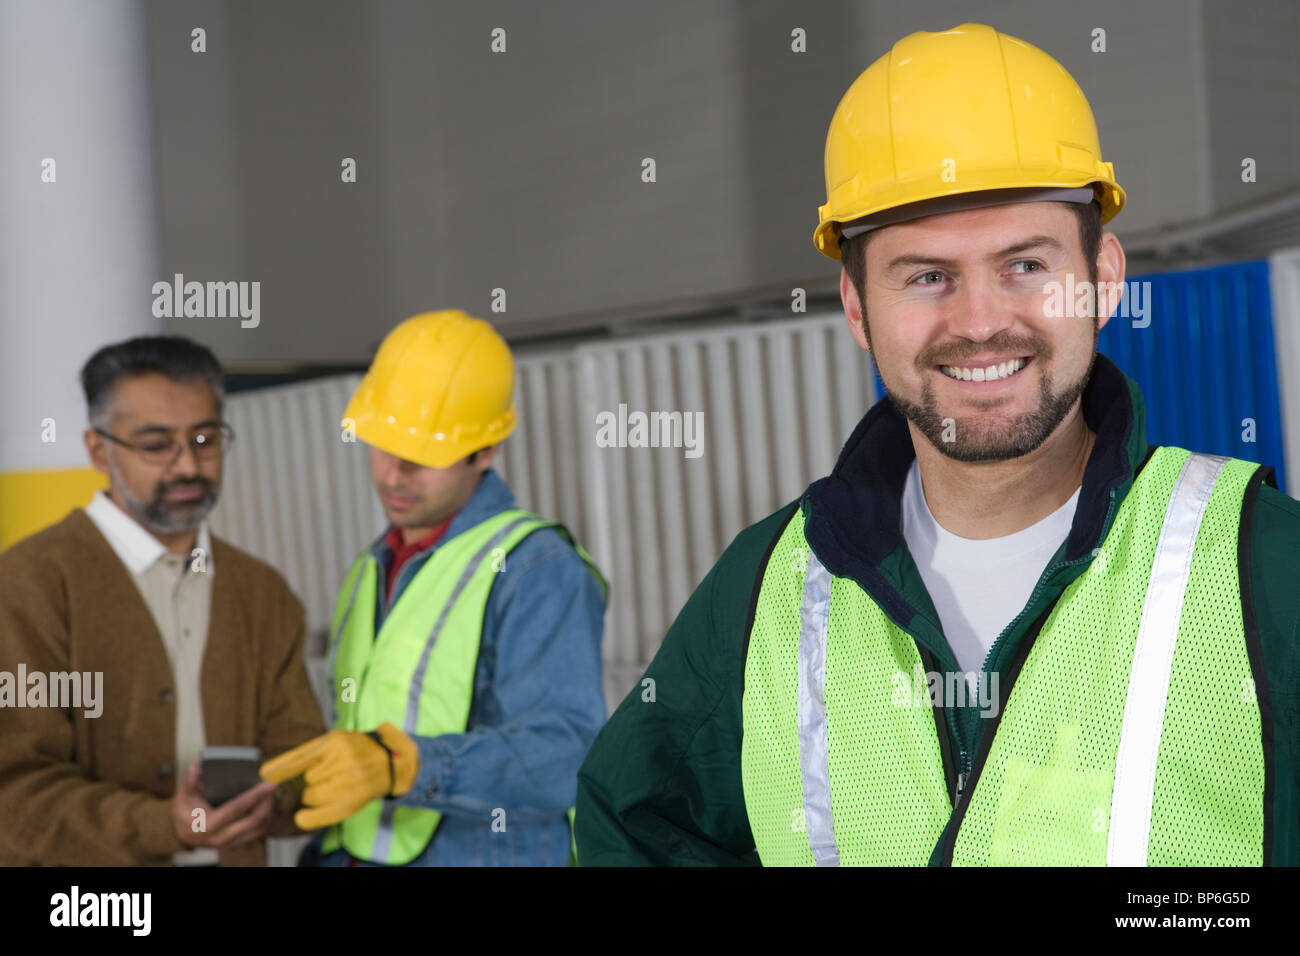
483	461
97	449
853	311
1111	266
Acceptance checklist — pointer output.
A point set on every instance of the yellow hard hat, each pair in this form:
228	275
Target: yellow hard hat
439	388
961	111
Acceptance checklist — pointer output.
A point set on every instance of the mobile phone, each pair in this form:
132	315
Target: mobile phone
226	772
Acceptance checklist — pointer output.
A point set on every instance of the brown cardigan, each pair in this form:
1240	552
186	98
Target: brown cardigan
97	791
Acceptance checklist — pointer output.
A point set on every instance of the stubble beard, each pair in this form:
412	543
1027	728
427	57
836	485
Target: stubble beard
974	438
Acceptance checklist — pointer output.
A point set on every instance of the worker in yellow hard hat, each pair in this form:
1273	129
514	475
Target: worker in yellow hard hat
464	655
1005	629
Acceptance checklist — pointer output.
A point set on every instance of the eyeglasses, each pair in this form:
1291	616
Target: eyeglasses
207	443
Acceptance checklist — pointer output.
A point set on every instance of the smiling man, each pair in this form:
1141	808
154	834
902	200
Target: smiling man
198	643
1004	629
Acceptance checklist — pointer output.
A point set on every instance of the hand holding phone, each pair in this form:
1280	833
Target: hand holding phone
240	819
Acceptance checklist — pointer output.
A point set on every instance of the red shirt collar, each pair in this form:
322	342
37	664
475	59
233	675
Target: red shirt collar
395	541
403	552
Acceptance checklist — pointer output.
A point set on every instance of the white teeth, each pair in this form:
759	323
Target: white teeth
992	373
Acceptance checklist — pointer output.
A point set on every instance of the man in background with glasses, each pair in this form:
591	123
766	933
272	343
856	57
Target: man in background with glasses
198	644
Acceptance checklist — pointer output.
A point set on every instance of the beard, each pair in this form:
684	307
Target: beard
171	517
976	438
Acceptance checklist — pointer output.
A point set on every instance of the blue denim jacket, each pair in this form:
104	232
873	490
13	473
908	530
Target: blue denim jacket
538	704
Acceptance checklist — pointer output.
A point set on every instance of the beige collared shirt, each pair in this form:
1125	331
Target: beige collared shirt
178	592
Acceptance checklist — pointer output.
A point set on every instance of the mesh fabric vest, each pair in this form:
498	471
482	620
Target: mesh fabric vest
1131	733
418	671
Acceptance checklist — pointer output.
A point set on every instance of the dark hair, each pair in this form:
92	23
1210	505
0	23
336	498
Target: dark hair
178	358
473	456
854	251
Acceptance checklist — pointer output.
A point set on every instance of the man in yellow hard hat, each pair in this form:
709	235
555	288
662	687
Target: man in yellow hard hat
465	648
1005	629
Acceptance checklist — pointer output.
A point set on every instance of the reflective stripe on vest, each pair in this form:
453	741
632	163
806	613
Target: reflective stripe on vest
817	709
1044	793
1153	662
418	671
814	749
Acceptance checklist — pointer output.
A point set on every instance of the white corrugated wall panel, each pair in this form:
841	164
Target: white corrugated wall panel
777	401
295	494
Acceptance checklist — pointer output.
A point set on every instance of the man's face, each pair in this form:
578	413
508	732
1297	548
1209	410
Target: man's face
417	497
949	294
147	411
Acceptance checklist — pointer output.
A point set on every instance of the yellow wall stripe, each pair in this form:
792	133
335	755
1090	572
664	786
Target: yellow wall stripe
32	500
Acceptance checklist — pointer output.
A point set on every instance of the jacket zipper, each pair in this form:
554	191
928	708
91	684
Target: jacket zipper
973	739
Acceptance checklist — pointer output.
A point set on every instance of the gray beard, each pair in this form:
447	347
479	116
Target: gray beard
156	515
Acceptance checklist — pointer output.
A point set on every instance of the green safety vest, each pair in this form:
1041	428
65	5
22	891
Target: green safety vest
1131	734
418	671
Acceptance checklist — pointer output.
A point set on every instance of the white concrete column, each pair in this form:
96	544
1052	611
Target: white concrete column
78	250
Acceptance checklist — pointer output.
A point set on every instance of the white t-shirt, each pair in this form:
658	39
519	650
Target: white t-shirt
978	586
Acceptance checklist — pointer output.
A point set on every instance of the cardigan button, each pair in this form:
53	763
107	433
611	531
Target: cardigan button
164	770
166	696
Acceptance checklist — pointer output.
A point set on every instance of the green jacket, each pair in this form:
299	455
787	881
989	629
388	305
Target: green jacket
662	783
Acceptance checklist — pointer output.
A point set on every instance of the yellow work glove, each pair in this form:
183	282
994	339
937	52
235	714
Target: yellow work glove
344	770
